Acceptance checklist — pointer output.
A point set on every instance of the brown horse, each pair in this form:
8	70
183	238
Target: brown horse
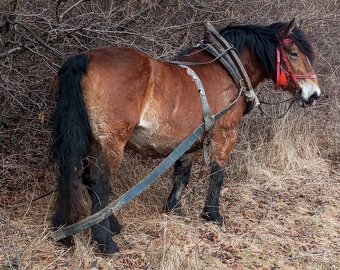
112	98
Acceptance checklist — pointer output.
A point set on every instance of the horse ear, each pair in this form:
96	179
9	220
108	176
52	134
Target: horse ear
300	23
288	30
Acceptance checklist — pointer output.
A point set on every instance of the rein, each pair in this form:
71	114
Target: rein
276	103
200	46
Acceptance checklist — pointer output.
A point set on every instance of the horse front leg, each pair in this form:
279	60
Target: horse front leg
221	144
181	177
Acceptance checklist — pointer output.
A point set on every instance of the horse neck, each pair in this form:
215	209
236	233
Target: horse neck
253	68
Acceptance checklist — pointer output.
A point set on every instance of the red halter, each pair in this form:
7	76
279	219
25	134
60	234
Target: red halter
284	70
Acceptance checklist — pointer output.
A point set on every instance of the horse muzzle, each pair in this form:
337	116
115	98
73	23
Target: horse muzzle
307	94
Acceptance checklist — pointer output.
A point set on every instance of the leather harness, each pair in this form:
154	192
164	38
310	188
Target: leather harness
222	50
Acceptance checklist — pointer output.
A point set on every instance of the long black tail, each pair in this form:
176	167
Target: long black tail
71	139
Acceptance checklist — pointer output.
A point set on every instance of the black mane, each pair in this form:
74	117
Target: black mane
262	42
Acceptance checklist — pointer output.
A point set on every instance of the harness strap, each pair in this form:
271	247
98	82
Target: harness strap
225	61
207	116
223	51
236	67
133	192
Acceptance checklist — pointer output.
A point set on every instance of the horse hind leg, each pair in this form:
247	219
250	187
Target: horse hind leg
97	178
181	177
90	177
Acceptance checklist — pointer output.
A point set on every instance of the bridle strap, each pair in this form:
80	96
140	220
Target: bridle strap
282	65
288	69
278	68
307	76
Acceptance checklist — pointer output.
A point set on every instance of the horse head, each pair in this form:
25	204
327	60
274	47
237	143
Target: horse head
294	71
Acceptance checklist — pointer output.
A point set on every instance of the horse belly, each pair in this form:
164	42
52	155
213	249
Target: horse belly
152	142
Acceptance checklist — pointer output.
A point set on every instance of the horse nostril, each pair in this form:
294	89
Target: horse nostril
313	97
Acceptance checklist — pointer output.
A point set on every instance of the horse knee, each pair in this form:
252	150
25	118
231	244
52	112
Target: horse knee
183	168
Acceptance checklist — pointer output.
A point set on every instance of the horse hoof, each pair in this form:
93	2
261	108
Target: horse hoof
175	211
173	208
67	242
108	248
214	217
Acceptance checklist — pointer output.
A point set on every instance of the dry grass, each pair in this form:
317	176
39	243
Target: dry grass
274	220
281	195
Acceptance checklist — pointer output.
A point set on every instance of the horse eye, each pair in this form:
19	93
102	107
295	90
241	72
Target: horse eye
293	54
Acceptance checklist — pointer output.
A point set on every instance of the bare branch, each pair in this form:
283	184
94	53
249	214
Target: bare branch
69	9
39	40
14	50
